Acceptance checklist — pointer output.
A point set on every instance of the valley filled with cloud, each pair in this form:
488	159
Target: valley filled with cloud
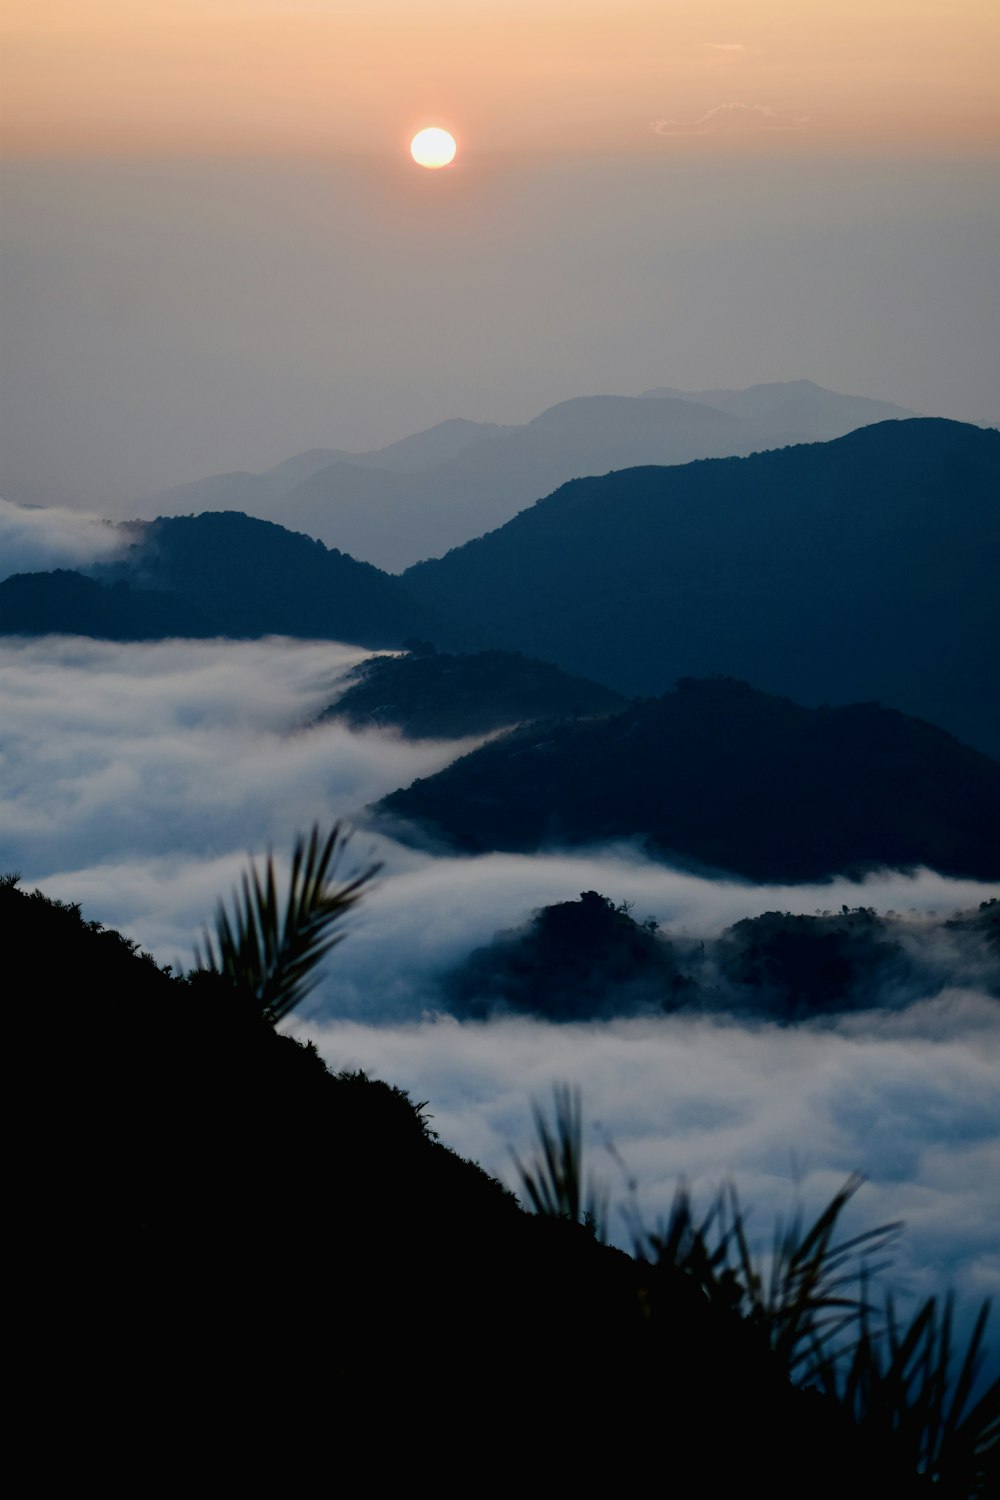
137	778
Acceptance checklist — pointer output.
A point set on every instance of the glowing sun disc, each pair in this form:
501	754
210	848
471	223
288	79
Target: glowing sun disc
433	147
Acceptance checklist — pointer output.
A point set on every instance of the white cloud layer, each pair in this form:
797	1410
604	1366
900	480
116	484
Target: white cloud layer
909	1099
135	778
178	750
37	539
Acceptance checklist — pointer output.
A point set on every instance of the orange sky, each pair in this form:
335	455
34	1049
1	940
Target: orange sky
98	77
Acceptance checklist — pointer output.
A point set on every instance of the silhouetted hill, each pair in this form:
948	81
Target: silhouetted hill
265	580
585	959
721	776
432	695
68	603
856	569
574	961
438	488
208	1224
221	574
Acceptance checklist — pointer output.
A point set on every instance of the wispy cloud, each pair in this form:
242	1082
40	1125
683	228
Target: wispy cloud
731	119
39	538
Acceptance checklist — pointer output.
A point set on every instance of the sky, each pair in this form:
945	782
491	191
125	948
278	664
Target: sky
137	779
218	253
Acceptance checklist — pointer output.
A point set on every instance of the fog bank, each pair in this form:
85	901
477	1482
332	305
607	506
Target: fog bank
134	779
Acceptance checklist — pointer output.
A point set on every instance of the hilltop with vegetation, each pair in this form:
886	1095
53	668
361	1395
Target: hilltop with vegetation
218	1231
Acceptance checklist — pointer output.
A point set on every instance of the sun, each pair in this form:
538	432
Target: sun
433	147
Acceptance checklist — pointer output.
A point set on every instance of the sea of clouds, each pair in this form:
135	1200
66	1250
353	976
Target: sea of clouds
136	779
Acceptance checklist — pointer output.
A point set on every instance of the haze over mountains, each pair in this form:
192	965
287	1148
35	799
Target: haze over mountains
432	491
795	411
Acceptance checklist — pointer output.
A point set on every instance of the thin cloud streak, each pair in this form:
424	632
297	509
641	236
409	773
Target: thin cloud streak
731	118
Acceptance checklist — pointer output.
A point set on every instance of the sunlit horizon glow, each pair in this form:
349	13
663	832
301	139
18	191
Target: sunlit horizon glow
433	147
237	76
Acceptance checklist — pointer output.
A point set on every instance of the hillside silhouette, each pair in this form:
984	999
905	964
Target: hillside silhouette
428	694
574	961
209	1220
220	574
863	568
719	776
859	569
417	497
590	959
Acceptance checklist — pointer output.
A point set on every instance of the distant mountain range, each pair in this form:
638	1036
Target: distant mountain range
864	568
795	411
724	778
417	497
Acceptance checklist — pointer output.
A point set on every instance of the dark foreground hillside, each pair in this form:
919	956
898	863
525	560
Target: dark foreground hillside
724	777
237	1265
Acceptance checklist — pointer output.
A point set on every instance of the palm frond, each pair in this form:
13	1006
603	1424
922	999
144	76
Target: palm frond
898	1382
798	1294
270	955
553	1182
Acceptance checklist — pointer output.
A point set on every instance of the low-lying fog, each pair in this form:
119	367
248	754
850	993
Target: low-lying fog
134	779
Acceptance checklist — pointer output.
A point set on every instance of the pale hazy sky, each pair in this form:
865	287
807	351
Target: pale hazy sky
218	253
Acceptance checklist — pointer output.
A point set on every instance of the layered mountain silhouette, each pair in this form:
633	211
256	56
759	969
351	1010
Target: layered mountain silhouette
863	568
434	695
420	496
859	569
720	777
220	574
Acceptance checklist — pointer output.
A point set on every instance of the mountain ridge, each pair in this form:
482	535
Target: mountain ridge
722	778
461	477
861	568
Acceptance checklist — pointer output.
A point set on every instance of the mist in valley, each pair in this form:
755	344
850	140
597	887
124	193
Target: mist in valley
137	779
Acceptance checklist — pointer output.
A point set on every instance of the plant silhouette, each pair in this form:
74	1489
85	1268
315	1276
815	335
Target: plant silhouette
271	958
894	1380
